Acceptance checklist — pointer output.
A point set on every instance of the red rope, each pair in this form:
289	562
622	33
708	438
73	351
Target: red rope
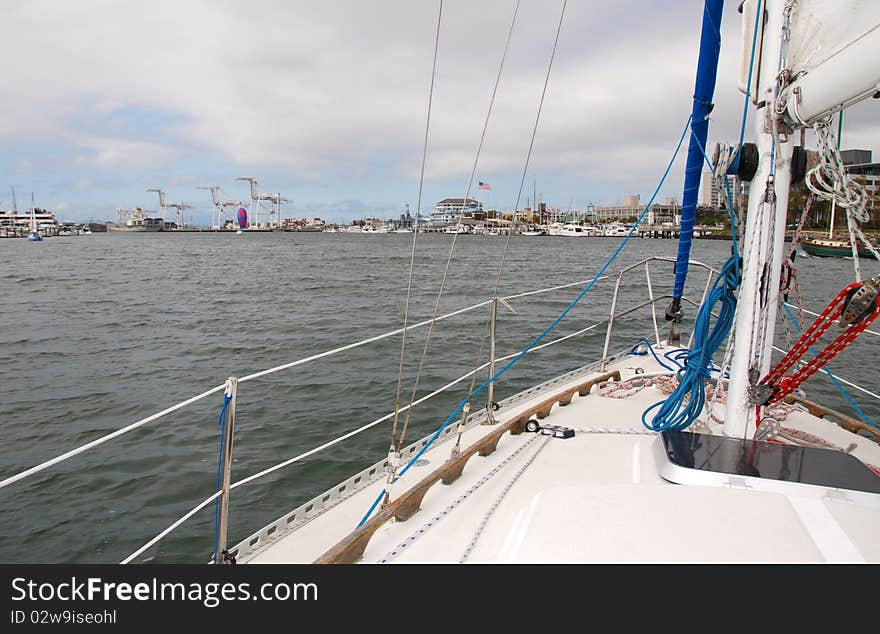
782	384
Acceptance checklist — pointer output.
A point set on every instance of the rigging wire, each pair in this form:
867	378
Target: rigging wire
522	181
545	332
412	256
531	143
455	235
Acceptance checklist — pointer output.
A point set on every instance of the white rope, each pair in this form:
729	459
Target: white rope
829	181
335	441
445	512
488	515
103	439
162	535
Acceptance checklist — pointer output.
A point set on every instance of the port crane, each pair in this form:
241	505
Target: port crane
219	205
256	197
164	204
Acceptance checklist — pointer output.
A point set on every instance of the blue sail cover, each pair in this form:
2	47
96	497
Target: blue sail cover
704	90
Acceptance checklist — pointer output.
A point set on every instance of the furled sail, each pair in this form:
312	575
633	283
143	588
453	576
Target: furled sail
832	56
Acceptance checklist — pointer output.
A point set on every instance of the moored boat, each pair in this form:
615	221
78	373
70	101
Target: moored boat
833	248
134	221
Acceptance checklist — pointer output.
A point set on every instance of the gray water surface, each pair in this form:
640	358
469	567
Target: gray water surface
99	331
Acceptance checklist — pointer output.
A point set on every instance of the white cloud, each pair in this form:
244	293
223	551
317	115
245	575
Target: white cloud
314	88
115	152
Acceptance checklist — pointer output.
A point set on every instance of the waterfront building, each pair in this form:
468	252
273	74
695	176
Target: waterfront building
668	212
449	209
711	195
18	223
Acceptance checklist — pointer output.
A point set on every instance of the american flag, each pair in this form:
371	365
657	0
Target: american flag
485	185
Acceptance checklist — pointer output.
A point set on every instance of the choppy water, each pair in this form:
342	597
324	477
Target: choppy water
99	331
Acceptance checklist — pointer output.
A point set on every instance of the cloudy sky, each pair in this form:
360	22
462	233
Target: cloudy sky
324	101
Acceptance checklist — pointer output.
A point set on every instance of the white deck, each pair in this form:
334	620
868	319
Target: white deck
596	497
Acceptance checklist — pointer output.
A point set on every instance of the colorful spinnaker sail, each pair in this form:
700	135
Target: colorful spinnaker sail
242	218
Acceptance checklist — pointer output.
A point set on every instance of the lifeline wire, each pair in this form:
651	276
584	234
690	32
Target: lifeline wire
546	331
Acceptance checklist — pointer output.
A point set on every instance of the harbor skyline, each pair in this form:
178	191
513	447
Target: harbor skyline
92	122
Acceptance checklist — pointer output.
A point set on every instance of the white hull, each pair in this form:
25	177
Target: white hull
600	496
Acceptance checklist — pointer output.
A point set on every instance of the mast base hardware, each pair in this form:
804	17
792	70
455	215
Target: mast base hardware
227	558
673	338
760	394
534	427
674	312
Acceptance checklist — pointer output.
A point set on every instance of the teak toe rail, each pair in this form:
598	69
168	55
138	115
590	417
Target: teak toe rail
847	422
351	548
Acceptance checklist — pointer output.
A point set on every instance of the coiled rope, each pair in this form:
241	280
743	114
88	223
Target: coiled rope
686	403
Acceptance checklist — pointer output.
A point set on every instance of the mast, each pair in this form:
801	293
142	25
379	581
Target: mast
534	196
764	234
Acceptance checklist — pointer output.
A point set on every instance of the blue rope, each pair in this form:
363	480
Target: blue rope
222	422
674	413
827	371
651	348
547	330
